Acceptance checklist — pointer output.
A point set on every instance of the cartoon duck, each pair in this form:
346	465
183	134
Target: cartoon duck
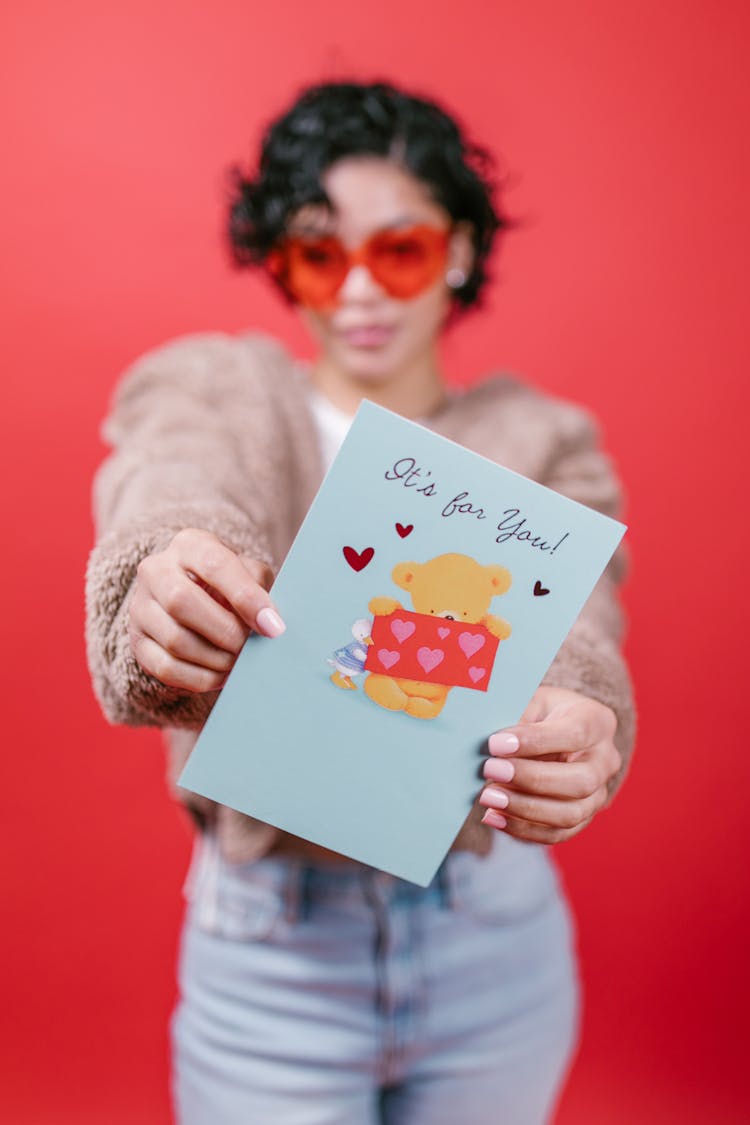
350	660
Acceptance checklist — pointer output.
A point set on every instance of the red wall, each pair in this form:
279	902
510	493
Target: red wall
623	128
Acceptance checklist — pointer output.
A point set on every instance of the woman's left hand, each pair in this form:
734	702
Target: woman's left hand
548	774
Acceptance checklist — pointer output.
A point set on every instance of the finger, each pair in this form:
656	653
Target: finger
543	810
564	780
182	642
259	571
222	570
574	731
172	671
528	831
193	608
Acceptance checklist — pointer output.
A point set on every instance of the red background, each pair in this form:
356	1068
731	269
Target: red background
623	128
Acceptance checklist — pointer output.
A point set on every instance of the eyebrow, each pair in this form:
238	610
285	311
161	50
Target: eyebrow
324	227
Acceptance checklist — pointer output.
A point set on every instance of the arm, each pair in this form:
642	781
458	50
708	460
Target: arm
554	770
590	660
174	465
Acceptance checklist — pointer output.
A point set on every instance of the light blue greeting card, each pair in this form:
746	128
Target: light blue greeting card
425	596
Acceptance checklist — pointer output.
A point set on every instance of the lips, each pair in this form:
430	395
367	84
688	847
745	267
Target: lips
367	335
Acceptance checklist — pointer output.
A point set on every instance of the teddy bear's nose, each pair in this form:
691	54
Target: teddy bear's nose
449	617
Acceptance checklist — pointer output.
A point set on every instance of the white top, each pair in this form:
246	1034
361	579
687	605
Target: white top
332	424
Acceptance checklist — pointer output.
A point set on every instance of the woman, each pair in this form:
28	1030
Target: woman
315	990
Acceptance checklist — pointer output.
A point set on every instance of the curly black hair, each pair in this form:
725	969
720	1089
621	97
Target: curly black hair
332	120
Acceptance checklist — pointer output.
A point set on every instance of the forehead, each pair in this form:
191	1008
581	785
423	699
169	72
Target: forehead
368	193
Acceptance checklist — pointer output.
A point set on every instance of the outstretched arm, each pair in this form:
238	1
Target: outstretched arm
550	773
168	596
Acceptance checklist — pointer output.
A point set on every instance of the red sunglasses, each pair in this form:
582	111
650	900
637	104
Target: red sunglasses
403	261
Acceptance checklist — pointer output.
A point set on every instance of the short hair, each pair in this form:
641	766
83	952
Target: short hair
332	120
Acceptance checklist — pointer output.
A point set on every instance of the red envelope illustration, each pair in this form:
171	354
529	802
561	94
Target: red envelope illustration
418	646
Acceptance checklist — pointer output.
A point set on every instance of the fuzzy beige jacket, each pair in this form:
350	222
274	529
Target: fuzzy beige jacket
216	432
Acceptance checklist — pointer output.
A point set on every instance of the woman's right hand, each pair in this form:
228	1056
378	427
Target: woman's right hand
194	604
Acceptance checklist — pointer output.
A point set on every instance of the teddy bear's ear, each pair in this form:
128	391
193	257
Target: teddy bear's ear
500	579
403	574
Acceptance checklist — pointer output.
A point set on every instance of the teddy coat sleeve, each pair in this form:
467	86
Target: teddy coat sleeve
181	459
590	660
557	444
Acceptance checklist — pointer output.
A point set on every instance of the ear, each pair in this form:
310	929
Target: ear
461	247
403	574
500	579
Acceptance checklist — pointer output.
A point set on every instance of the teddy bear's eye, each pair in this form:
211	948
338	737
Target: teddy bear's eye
466	612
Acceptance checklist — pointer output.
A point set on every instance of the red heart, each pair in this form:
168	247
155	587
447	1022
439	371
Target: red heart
404	531
539	590
358	561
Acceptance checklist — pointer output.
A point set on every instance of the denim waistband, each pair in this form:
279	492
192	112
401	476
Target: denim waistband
308	882
513	879
299	884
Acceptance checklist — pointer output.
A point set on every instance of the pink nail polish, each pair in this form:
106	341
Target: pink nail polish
498	769
269	622
493	798
503	743
494	819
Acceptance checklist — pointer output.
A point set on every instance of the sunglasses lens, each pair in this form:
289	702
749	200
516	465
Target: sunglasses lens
408	261
311	270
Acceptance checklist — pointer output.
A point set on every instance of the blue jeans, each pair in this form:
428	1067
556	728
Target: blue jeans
339	995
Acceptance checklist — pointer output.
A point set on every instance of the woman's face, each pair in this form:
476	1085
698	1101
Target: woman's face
366	333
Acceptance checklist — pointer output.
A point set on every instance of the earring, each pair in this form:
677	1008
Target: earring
455	277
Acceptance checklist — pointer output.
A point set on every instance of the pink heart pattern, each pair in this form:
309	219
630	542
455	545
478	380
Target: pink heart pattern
429	658
469	643
413	646
402	630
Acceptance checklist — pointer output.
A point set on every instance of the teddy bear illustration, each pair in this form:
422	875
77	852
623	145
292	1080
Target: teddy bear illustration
454	587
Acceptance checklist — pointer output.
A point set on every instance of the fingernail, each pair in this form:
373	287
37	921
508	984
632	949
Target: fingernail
494	819
269	622
493	798
503	743
498	769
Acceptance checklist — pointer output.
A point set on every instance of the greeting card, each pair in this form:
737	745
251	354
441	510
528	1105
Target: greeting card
425	596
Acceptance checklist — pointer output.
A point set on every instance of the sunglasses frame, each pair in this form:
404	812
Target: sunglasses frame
279	264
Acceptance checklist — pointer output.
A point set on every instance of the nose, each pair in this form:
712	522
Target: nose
359	284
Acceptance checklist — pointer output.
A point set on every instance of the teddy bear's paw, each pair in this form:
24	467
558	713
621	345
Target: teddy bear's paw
498	627
421	708
381	607
385	692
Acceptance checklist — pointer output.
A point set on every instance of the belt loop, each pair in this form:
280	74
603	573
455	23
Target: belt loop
292	890
203	882
305	892
445	885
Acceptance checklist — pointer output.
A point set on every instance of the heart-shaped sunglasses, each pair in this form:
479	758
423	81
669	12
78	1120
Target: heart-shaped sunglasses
403	261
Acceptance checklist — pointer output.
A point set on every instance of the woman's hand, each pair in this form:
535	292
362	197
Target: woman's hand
193	607
548	774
